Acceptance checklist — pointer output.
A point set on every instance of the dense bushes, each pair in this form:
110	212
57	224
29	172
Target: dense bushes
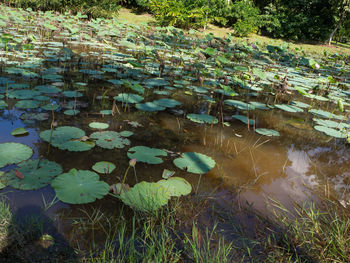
92	8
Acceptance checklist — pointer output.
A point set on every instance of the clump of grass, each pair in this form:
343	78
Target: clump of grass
319	233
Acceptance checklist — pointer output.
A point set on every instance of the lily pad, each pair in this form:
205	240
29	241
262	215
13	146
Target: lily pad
110	139
243	119
103	167
146	154
149	106
330	131
32	174
19	132
145	197
239	104
12	153
167	103
79	187
27	104
176	186
128	98
288	108
99	125
193	162
267	132
167	174
202	118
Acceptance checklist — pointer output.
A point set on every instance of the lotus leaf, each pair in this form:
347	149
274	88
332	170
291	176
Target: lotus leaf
34	116
243	119
145	197
19	132
331	124
167	103
71	112
3	104
50	106
149	106
48	89
103	167
27	104
239	104
330	131
259	105
267	132
195	162
36	174
23	94
79	187
156	82
167	173
288	108
326	114
202	118
66	138
109	139
99	125
72	94
146	154
128	98
12	153
176	186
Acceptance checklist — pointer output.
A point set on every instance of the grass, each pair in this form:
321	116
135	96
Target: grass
317	48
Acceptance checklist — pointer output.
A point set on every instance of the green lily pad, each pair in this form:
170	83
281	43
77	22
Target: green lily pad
146	154
49	89
27	104
34	116
145	197
66	138
149	106
3	104
128	98
167	174
12	153
71	112
19	132
243	119
331	124
239	104
267	132
288	108
330	131
32	174
176	186
110	139
202	118
326	114
79	187
193	162
103	167
99	125
167	103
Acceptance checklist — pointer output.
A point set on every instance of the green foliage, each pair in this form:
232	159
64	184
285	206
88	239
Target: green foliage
179	13
92	8
244	17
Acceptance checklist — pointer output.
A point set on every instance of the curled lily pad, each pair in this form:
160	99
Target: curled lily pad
12	153
145	197
99	125
19	132
267	132
32	174
146	154
79	187
167	173
110	139
176	186
202	118
193	162
103	167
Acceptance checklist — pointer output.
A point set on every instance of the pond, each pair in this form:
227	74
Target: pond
229	118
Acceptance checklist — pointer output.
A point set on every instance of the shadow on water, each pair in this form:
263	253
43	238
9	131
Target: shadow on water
30	236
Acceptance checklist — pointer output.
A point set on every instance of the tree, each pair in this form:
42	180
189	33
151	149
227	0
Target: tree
343	9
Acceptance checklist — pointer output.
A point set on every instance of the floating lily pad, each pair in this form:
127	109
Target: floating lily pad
239	104
145	197
27	104
19	132
110	139
12	153
267	132
288	108
3	104
32	174
259	105
176	186
331	124
99	125
71	112
48	89
326	114
67	138
149	106
167	173
202	118
103	167
50	107
330	131
79	187
193	162
128	98
167	103
72	94
243	119
146	154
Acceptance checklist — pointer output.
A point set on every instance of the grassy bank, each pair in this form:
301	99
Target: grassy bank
316	48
